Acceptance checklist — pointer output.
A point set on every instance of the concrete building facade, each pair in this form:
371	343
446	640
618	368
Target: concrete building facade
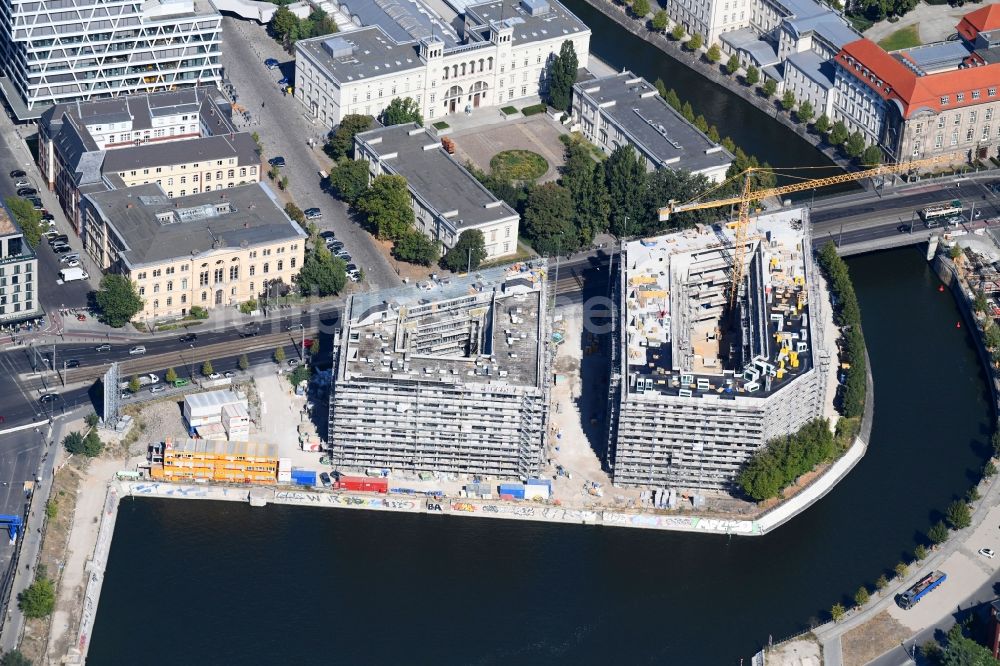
18	275
213	249
76	50
446	198
448	376
501	56
932	100
184	141
624	109
691	401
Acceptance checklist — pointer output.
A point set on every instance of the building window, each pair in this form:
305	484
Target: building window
975	94
170	301
293	258
986	132
170	285
243	171
203	279
232	173
940	122
960	97
184	283
954	138
204	296
958	118
944	100
281	265
156	288
170	270
218	275
968	134
253	271
234	272
972	116
266	267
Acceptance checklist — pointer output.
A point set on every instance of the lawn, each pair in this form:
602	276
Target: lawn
520	165
903	38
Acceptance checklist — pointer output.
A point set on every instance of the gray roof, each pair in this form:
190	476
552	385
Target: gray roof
817	69
531	20
652	125
220	147
403	20
827	25
934	57
372	53
763	52
191	225
434	176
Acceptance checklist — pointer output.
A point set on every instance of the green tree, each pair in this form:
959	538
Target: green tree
695	42
14	658
340	142
753	76
839	133
29	219
92	444
805	112
901	570
714	55
673	100
207	369
770	87
73	442
958	515
855	144
38	599
283	183
872	155
92	419
244	362
732	64
660	21
678	32
713	134
881	582
118	300
585	180
468	252
400	111
625	177
688	112
788	100
837	612
562	75
784	459
665	185
284	26
198	312
701	123
279	355
822	124
640	8
861	597
920	552
171	376
349	179
938	533
548	219
972	494
979	303
322	274
294	212
415	248
989	469
386	204
995	441
963	651
133	384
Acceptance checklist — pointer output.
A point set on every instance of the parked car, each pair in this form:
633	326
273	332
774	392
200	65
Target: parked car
215	375
334	245
344	255
324	478
23	183
17	173
62	248
293	362
36	203
48	217
103	348
73	363
327	234
65	259
227	374
271	63
181	381
354	277
48	397
137	349
59	238
126	395
189	337
294	327
278	161
72	263
987	552
351	268
50	234
313	213
26	191
157	388
283	81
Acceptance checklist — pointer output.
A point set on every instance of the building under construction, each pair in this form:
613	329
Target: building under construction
448	375
700	380
201	460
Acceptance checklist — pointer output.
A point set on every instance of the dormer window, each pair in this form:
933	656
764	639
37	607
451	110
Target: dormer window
945	100
960	97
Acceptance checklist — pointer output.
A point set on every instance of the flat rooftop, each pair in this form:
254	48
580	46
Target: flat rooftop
7	225
482	328
155	228
531	20
201	149
678	335
217	448
443	184
360	54
403	20
634	104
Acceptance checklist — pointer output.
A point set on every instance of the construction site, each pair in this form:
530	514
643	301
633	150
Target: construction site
450	375
711	361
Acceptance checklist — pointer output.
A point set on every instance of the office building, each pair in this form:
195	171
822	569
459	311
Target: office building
407	50
77	50
184	141
447	199
697	385
212	249
445	376
18	271
624	109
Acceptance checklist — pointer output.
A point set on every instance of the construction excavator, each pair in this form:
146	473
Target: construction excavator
748	195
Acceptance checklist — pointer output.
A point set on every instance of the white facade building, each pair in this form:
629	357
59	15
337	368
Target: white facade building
18	275
77	50
502	56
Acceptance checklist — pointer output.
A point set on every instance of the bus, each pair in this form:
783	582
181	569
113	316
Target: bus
942	211
920	589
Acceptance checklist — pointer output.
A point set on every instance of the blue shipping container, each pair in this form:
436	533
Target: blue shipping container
515	490
304	476
541	482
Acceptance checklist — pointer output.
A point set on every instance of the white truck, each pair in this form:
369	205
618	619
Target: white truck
72	274
144	380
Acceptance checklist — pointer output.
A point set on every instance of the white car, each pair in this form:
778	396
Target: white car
215	375
158	388
138	349
72	263
987	552
66	258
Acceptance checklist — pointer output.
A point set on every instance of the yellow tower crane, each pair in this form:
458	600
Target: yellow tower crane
748	194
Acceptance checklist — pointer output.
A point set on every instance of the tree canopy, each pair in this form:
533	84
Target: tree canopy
625	176
38	599
118	300
584	178
783	460
714	55
287	28
847	315
548	219
640	8
805	112
562	75
349	179
340	142
468	252
386	205
322	273
402	110
660	20
415	248
753	75
855	144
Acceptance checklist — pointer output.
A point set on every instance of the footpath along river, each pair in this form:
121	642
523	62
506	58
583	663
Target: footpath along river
198	582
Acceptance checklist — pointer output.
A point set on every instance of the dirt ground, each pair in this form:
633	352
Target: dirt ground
539	134
800	652
862	644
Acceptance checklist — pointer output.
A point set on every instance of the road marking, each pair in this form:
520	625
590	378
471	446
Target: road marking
23	427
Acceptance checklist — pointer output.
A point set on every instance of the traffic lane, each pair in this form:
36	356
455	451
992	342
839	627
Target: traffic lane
285	131
20	453
911	203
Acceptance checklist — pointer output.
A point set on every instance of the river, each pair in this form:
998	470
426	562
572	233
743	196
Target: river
210	583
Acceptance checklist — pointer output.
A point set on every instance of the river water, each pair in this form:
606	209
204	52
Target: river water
197	582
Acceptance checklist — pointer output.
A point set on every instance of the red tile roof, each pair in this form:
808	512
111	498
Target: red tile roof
896	81
982	20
